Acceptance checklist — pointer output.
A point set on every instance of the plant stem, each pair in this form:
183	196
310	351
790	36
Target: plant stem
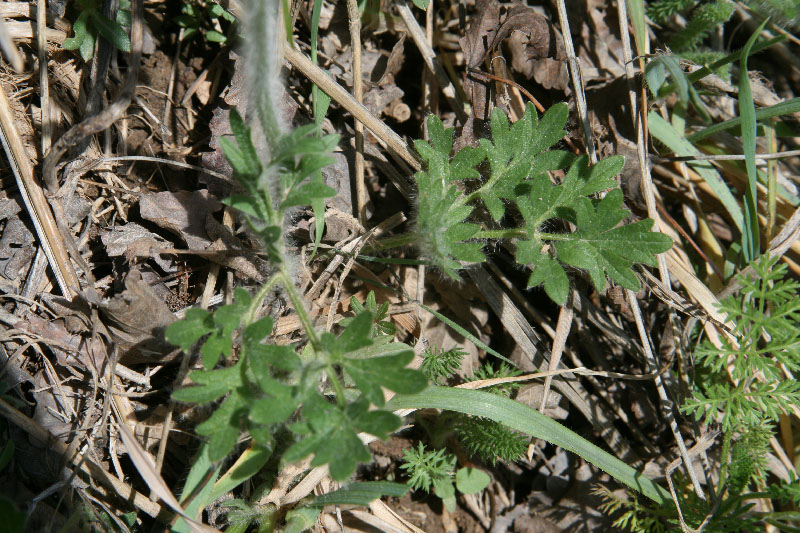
337	385
299	306
723	471
260	295
397	241
474	195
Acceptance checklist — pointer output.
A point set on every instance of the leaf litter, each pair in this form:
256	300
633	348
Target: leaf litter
66	350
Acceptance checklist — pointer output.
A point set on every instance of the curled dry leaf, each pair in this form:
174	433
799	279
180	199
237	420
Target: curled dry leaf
533	37
183	213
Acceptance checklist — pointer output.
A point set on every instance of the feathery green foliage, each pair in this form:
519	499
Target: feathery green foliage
766	320
437	469
742	389
490	440
439	365
702	19
519	159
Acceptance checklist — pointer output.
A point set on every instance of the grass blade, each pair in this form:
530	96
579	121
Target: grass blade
666	134
466	334
730	58
533	423
751	240
636	14
783	108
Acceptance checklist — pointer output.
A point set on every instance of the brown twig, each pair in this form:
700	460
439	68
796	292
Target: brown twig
514	84
358	92
397	146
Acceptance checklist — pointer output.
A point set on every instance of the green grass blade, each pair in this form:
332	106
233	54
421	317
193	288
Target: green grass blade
320	102
730	58
751	240
666	134
533	423
466	334
636	14
199	484
361	493
246	466
783	108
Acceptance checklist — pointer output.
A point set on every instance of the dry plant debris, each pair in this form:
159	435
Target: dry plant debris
113	225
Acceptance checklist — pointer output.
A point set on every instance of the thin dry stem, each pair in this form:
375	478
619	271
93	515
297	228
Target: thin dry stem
358	93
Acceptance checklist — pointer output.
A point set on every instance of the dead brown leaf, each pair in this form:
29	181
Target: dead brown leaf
183	213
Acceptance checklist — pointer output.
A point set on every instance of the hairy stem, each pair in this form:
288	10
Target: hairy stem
299	306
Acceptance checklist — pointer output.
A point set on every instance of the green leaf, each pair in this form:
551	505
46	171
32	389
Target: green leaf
371	374
471	480
217	345
263	355
443	487
242	155
247	205
302	519
275	409
214	36
331	434
279	404
514	149
228	317
257	331
751	237
223	427
201	394
246	466
332	439
184	333
533	423
422	4
307	193
550	272
186	21
665	133
356	335
655	74
213	384
546	201
598	246
82	33
671	63
200	472
440	216
361	493
110	30
602	248
783	108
